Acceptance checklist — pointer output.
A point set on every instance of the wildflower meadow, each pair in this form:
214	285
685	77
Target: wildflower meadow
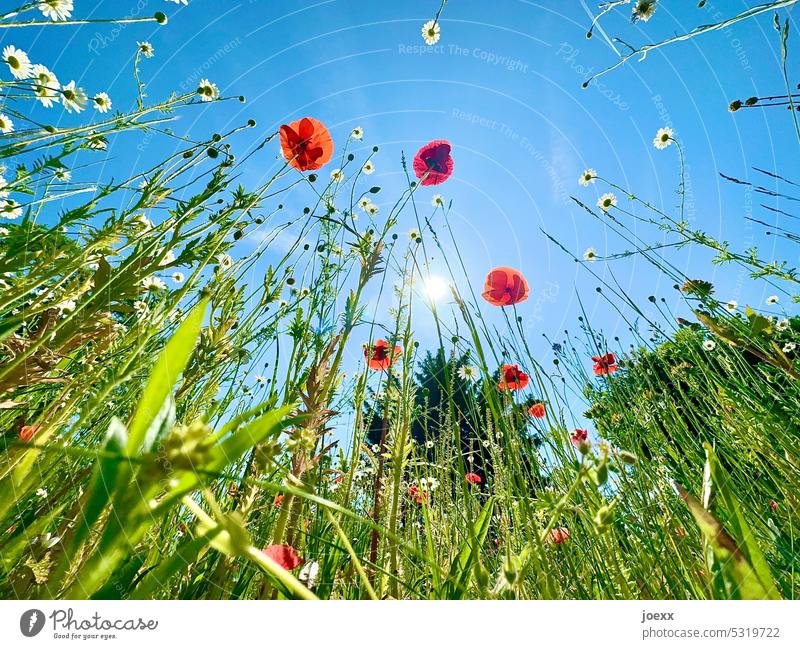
255	344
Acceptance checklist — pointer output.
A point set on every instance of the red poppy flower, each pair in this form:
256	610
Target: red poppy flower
537	410
773	505
512	378
278	500
339	479
579	436
473	478
415	494
26	433
306	144
380	357
558	535
433	163
505	286
605	364
181	529
284	555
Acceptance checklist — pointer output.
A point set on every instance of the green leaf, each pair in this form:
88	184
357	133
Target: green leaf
462	567
168	368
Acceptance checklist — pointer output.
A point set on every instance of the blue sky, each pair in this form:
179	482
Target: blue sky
504	86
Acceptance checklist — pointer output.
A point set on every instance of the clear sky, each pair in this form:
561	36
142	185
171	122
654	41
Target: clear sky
504	86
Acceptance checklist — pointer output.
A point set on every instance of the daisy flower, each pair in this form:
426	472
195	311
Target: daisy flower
6	125
337	175
789	347
368	168
431	32
709	345
372	209
587	177
208	91
3	233
9	208
429	444
357	133
663	138
414	234
772	299
102	102
56	9
437	200
146	49
261	380
73	98
469	372
46	86
643	10
607	201
782	325
224	261
140	307
732	306
41	492
153	284
364	203
590	255
177	278
17	61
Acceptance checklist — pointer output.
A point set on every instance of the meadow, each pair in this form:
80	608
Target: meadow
172	429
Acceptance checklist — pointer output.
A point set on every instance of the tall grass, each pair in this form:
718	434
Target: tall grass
171	406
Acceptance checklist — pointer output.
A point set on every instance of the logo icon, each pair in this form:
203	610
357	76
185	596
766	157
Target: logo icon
31	622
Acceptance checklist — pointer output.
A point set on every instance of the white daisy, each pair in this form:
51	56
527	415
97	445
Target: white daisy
431	32
732	306
709	345
140	307
6	125
414	234
102	102
63	175
153	284
372	209
357	133
364	203
368	168
46	86
643	10
3	232
260	380
437	200
607	201
789	347
177	278
429	444
146	49
41	492
9	208
772	299
56	9
208	91
587	177
663	138
337	175
17	61
73	98
590	255
469	372
143	222
783	324
224	261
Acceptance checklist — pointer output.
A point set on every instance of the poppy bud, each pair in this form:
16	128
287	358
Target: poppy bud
160	17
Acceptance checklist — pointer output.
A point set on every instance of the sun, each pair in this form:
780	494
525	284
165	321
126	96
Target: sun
435	288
